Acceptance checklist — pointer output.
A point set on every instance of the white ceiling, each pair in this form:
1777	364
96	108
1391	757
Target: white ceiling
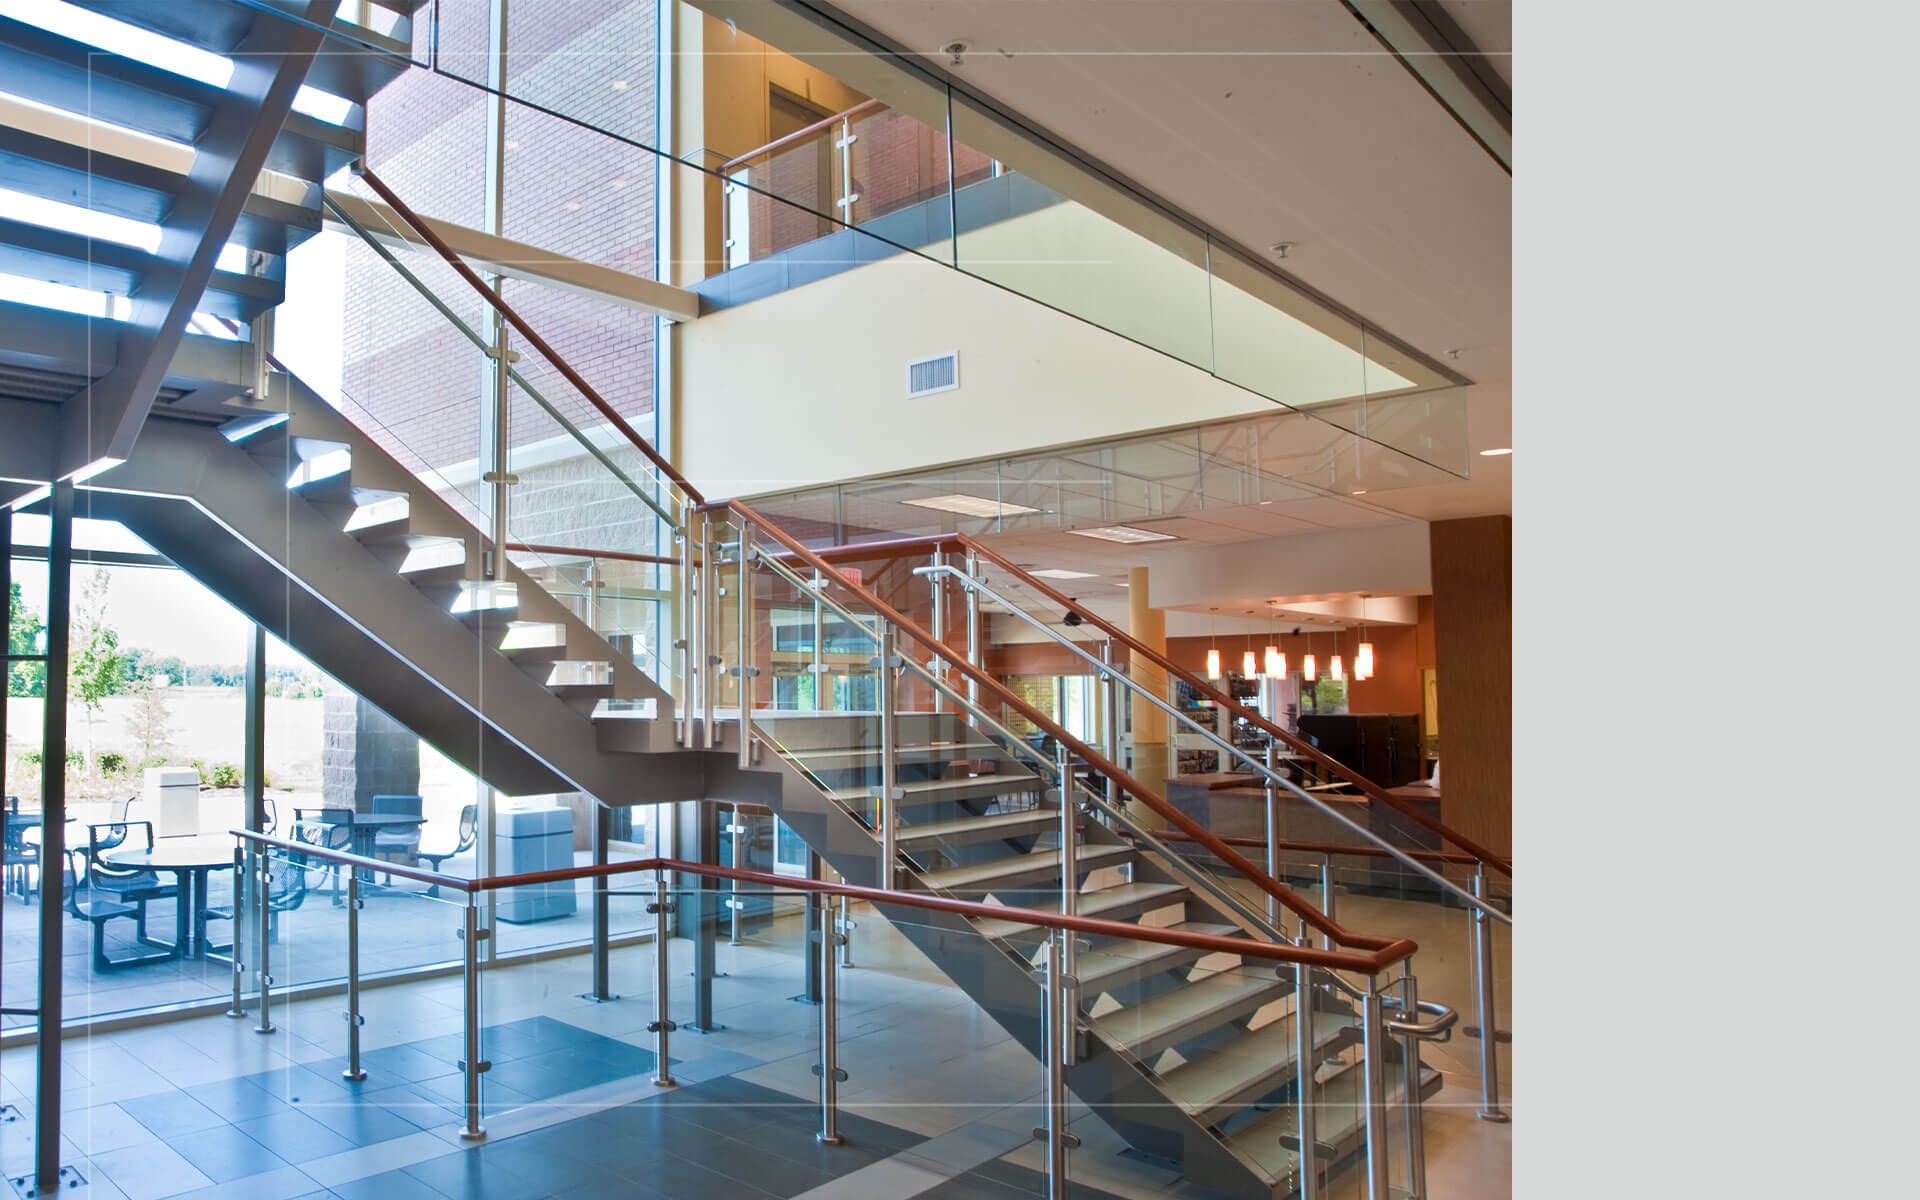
1279	122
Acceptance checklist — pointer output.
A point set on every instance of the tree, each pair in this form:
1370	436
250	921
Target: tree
23	637
151	720
94	660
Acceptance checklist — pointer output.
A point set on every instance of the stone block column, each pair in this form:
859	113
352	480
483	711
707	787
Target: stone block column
365	753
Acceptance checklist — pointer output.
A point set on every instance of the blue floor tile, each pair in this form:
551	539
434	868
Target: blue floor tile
462	1175
224	1154
237	1100
170	1114
393	1185
362	1122
294	1136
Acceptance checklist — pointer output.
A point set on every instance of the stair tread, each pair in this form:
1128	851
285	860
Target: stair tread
935	830
1105	962
1243	1069
824	758
1091	904
1339	1126
975	874
1195	1007
933	787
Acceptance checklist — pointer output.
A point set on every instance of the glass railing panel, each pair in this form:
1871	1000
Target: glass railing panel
1111	261
898	176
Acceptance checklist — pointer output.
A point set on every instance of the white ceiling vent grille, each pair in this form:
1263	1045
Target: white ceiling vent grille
940	373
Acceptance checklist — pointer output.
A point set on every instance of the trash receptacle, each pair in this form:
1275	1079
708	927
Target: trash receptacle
172	795
537	839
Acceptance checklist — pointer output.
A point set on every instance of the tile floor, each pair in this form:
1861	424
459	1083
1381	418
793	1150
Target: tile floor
939	1104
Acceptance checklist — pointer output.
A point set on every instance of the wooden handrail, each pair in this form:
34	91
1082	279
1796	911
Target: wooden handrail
1376	954
804	131
1231	839
514	319
1373	790
1198	832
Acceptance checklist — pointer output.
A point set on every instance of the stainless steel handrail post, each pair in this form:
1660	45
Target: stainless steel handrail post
829	1066
1307	1106
263	923
937	664
745	669
1373	1048
1054	1041
471	1064
1069	898
662	907
1326	896
238	1009
1410	1099
1111	726
353	1072
737	836
973	628
683	727
846	932
889	768
1490	1109
709	620
1273	836
822	689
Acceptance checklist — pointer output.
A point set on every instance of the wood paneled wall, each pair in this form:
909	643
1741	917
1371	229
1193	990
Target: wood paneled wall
1473	641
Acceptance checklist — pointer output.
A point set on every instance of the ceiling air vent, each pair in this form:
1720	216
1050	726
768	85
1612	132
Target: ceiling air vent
941	373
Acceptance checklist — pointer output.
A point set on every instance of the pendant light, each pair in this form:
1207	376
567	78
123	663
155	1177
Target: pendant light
1363	657
1309	668
1248	667
1276	663
1213	652
1334	666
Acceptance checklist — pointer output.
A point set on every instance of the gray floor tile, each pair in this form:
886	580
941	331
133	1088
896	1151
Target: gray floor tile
224	1154
294	1136
149	1172
171	1114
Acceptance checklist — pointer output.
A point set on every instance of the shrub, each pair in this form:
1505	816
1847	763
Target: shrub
223	775
112	763
30	758
76	759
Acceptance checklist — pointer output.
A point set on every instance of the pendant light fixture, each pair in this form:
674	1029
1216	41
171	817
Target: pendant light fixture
1363	657
1334	666
1213	651
1309	668
1248	667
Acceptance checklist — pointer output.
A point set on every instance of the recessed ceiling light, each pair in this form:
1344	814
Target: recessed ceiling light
1492	453
971	506
1266	502
1361	492
1059	573
1124	534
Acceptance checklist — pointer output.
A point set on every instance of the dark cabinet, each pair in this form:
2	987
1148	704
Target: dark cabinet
1385	747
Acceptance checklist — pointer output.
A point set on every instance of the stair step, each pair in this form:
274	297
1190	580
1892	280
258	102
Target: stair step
1340	1122
1213	1086
486	601
844	759
1200	1005
535	643
978	829
982	878
435	565
936	791
1118	963
1114	903
254	428
379	515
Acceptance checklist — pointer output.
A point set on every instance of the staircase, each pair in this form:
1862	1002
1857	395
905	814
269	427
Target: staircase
281	505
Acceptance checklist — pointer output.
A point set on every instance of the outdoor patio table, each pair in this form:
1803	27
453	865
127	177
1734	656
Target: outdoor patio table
190	859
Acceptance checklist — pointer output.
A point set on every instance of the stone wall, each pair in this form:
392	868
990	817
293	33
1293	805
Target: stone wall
364	753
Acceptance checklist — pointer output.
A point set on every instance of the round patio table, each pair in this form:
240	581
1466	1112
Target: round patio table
190	859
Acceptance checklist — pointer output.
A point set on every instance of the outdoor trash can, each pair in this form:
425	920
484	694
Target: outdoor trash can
172	795
539	839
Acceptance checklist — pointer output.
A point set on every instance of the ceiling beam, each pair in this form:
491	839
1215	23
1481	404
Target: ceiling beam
1437	53
269	67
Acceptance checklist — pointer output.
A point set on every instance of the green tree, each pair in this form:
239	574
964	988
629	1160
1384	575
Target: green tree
94	659
23	637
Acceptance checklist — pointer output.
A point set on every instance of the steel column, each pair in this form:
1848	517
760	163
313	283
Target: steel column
253	728
938	582
1373	1045
1326	896
736	842
709	619
1057	1039
53	838
471	1064
1274	907
662	908
242	906
846	932
822	686
1490	1109
1110	695
353	1073
973	628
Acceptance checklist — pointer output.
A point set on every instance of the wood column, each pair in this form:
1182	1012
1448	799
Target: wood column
1149	626
1473	649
